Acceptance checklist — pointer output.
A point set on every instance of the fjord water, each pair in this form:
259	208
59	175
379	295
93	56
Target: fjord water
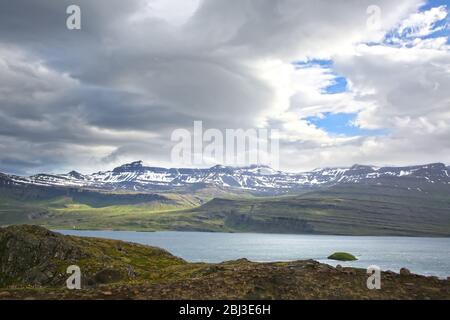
427	256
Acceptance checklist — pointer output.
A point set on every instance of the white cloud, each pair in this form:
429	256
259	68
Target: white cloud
423	23
136	72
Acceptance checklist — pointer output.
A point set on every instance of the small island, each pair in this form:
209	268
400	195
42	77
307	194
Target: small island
342	256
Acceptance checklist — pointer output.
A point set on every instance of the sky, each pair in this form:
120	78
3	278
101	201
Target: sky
342	82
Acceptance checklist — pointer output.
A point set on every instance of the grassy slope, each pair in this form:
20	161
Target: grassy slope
346	210
64	212
68	209
349	210
31	255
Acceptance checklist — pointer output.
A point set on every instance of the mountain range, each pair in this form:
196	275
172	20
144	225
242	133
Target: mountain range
358	200
137	177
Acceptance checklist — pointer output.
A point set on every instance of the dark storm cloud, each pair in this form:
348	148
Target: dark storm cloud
44	21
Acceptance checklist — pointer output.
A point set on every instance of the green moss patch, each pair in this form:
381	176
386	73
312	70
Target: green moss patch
342	256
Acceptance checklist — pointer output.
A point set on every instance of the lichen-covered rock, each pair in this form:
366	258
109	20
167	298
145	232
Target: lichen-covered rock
35	256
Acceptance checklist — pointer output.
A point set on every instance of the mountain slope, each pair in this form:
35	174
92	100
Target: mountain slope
257	179
361	200
351	209
344	210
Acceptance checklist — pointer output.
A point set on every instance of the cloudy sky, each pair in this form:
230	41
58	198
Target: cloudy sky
342	81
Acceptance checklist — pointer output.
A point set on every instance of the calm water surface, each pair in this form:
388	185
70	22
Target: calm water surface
428	256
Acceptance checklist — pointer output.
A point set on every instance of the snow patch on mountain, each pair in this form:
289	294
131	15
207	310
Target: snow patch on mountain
136	176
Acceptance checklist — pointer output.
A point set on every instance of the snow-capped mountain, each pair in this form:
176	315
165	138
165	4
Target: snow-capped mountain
138	177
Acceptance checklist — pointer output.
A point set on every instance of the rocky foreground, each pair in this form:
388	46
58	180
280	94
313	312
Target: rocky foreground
33	263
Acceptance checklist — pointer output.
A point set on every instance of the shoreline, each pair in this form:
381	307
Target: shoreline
113	269
248	233
175	242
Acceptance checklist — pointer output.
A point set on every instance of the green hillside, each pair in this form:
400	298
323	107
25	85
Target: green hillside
343	210
353	209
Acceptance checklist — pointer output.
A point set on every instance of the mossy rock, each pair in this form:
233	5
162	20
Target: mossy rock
342	256
108	276
34	256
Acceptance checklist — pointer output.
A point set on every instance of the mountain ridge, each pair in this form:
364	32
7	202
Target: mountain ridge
135	176
359	200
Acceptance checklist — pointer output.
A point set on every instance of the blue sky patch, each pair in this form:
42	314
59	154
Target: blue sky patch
432	4
339	86
342	124
326	64
340	82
